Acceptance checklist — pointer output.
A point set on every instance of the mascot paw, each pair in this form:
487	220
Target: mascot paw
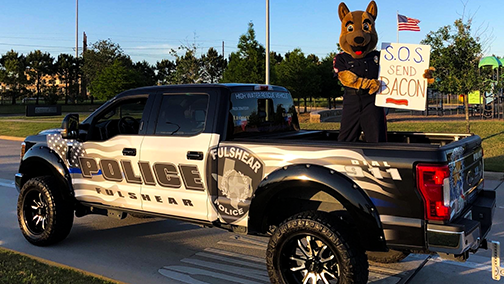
374	86
347	78
428	74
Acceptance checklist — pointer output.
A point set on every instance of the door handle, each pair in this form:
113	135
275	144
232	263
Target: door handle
193	155
129	152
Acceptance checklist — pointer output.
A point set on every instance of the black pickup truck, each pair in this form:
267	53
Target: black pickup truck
233	156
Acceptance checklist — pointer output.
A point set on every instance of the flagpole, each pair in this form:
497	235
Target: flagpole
397	19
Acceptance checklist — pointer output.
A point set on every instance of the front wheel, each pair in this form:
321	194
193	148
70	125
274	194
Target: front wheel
309	248
43	215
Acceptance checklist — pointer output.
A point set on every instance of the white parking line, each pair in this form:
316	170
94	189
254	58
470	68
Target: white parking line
261	275
180	277
7	183
483	266
166	271
238	255
225	243
231	260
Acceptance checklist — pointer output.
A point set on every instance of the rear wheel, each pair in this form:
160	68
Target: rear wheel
43	215
309	248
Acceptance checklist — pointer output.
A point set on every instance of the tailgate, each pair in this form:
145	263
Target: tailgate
466	175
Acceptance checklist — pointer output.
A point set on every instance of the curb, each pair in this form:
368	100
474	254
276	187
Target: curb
494	175
12	138
52	263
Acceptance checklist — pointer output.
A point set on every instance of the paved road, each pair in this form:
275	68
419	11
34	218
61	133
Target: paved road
164	251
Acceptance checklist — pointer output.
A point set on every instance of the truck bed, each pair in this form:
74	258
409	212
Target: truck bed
396	139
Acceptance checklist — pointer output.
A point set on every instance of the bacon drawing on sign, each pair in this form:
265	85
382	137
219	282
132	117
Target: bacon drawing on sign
397	102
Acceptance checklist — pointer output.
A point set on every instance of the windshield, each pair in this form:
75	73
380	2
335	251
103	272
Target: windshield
262	112
89	119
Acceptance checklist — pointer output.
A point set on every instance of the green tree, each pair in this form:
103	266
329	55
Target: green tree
40	65
330	87
13	74
112	80
165	72
213	66
247	65
299	75
276	58
101	55
67	68
455	54
188	67
145	74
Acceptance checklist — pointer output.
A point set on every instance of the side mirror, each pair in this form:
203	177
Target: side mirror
70	126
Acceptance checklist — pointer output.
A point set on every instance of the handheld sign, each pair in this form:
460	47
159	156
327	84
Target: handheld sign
401	74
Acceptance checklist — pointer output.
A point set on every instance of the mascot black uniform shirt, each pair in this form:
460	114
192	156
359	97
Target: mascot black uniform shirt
359	110
366	67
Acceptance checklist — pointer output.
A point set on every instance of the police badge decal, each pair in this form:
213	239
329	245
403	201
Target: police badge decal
236	172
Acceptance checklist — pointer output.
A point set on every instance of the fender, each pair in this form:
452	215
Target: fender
353	198
41	160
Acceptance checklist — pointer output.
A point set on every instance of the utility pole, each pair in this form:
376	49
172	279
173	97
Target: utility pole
267	44
83	77
223	49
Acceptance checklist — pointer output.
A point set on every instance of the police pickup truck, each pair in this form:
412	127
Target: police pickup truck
233	156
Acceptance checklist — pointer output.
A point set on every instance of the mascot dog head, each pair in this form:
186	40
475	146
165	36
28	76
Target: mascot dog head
358	34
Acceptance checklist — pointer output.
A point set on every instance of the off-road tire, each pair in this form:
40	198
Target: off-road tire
329	240
391	256
39	200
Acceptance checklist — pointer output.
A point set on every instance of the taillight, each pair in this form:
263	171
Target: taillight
434	185
23	149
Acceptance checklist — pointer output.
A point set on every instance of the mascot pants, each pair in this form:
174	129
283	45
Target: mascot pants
361	114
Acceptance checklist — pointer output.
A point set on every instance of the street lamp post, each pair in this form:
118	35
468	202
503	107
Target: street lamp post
76	28
267	44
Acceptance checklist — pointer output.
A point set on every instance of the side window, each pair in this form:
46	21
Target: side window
123	118
182	114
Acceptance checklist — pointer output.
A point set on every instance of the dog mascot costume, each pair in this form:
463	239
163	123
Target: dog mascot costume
357	69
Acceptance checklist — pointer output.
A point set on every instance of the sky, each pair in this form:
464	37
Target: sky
148	29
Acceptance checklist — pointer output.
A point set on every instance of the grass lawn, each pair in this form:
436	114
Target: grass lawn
491	132
22	126
17	268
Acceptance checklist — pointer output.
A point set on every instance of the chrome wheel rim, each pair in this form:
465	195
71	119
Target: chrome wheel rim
308	259
35	212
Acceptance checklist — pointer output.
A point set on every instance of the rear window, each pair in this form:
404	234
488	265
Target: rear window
262	112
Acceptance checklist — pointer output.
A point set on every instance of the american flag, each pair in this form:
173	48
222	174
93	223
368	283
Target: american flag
407	24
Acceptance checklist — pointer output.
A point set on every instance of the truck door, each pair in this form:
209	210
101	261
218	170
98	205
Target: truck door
173	157
105	167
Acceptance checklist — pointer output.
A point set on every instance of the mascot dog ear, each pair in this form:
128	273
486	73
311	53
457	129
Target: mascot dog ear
372	9
343	10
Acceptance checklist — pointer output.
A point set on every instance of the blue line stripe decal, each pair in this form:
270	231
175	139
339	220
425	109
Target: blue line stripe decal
75	171
382	203
79	171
